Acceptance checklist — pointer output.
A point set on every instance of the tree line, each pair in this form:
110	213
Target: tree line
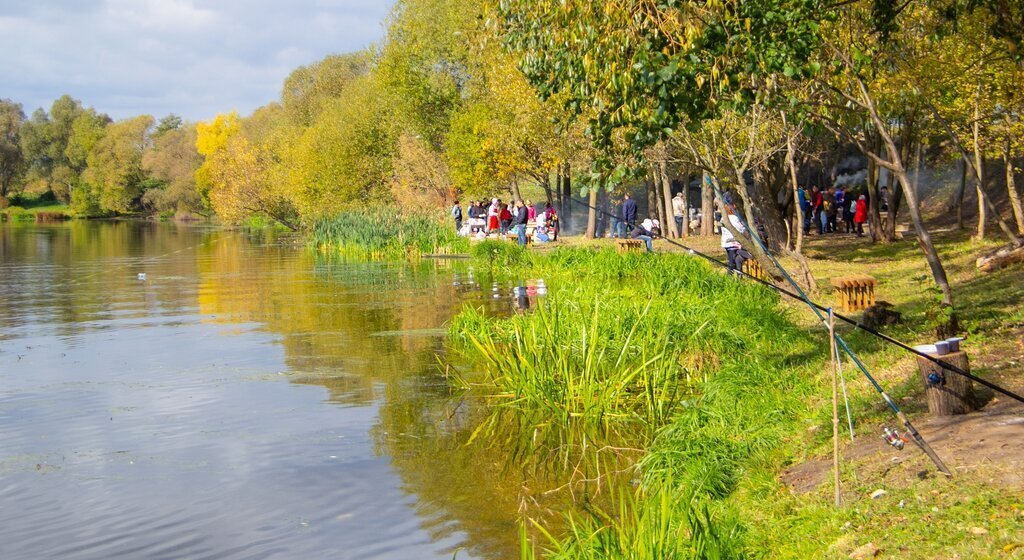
584	98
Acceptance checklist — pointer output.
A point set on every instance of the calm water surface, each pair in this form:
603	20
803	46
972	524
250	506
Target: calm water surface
244	400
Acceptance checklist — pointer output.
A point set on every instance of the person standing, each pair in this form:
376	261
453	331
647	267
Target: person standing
828	212
531	211
522	216
817	201
457	216
505	218
805	209
861	214
840	208
618	229
733	249
628	211
678	212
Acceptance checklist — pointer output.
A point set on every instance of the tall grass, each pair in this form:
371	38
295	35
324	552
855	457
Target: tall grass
663	524
384	233
697	370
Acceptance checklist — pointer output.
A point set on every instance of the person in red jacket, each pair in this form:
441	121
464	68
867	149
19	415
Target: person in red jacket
861	214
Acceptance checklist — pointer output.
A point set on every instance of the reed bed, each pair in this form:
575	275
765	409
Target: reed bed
379	233
698	372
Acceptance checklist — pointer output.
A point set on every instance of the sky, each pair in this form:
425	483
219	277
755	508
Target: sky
193	58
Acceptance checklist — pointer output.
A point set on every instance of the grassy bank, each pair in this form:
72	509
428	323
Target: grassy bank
702	375
671	402
704	390
23	209
385	234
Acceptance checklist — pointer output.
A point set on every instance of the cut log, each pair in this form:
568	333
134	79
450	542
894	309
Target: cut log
1001	258
948	393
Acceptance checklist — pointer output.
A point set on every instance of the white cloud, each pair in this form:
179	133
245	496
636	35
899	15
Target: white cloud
193	58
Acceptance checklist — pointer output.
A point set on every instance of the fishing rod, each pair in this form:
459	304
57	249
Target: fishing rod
849	320
918	439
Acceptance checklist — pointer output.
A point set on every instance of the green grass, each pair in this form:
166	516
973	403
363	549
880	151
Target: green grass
705	375
380	233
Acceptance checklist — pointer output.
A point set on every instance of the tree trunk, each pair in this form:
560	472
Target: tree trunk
515	191
686	205
1011	189
979	170
958	198
874	214
923	237
948	393
592	215
668	226
707	207
659	203
978	173
798	224
547	188
565	220
602	214
652	192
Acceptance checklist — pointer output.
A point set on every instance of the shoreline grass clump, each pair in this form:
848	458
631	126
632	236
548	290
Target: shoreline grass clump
703	374
379	233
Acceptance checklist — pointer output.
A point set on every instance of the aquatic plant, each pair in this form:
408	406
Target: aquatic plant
381	233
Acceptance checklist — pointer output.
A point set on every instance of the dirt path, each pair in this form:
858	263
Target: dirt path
986	446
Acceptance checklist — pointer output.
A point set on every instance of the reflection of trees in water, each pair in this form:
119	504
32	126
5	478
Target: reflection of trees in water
336	319
367	332
86	271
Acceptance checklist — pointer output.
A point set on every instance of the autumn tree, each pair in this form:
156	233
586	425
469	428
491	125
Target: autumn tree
240	175
172	161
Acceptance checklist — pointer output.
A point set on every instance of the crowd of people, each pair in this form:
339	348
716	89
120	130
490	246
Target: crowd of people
497	219
828	211
825	209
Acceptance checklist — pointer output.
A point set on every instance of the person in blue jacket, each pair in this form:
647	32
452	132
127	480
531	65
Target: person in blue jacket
629	211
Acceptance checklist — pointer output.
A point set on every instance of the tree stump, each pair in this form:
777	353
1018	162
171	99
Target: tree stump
948	392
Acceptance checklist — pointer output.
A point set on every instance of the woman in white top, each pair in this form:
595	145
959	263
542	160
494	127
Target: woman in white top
732	247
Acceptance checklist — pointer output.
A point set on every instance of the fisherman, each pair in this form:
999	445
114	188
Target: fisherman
645	232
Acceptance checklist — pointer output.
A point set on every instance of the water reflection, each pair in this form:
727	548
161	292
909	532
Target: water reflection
162	393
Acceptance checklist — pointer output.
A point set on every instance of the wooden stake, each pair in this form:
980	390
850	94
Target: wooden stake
835	403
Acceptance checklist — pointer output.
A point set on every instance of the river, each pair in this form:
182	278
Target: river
178	391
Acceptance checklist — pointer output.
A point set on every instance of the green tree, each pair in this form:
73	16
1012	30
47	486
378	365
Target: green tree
12	159
345	156
114	171
308	90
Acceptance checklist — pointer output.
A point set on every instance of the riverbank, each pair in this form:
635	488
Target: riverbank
710	396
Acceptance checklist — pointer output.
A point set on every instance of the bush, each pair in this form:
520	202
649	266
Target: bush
19	214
